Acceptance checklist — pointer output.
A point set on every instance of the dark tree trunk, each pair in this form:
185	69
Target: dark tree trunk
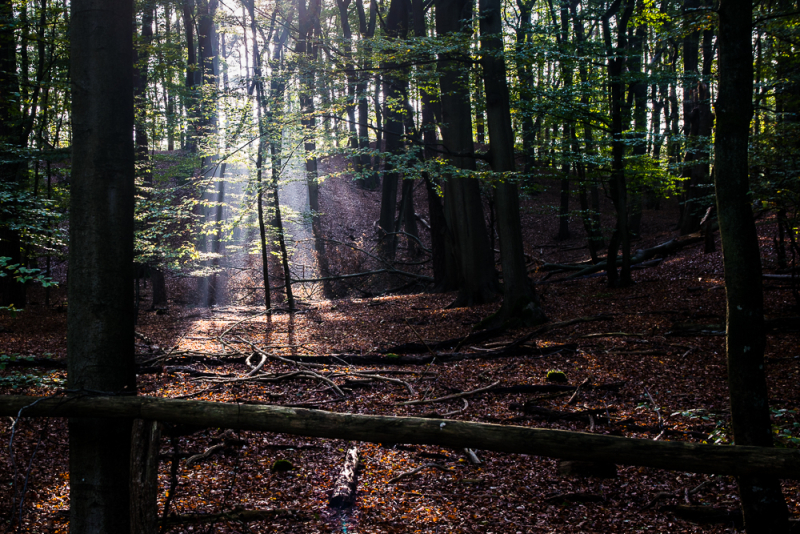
442	280
146	447
618	186
262	147
100	339
691	208
372	180
525	76
762	501
477	282
141	57
520	303
190	99
588	186
638	91
395	97
350	74
308	29
11	291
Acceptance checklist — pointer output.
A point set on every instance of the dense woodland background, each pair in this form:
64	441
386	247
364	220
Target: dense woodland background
348	180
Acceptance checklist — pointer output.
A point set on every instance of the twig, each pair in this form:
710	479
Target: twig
448	397
420	338
413	472
257	368
234	325
656	408
466	405
578	389
203	455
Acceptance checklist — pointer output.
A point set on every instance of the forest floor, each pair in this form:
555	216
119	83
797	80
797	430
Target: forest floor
673	388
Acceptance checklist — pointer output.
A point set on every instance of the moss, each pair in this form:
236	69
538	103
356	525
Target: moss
280	466
556	376
392	355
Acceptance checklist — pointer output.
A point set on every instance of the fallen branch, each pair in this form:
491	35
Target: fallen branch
675	455
206	454
386	359
344	492
447	397
413	472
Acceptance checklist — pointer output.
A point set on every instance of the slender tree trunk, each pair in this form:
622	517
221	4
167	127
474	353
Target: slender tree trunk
444	280
525	79
190	98
618	186
638	91
763	503
690	208
100	348
395	98
262	141
588	186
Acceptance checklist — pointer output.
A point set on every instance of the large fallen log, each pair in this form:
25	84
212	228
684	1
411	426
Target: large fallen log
728	460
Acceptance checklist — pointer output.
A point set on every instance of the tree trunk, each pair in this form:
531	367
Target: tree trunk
638	91
477	282
691	209
520	303
190	99
618	186
141	58
146	447
262	148
372	180
395	97
11	291
443	280
675	455
308	28
763	504
100	348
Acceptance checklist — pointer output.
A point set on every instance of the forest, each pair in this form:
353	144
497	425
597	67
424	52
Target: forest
399	266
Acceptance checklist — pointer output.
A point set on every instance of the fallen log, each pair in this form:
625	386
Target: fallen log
424	359
344	492
681	456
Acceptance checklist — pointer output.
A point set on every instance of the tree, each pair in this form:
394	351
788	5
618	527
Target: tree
100	321
469	241
519	297
762	501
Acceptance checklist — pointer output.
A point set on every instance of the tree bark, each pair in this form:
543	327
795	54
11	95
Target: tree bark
520	302
395	96
146	447
679	456
763	504
344	491
100	342
477	282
